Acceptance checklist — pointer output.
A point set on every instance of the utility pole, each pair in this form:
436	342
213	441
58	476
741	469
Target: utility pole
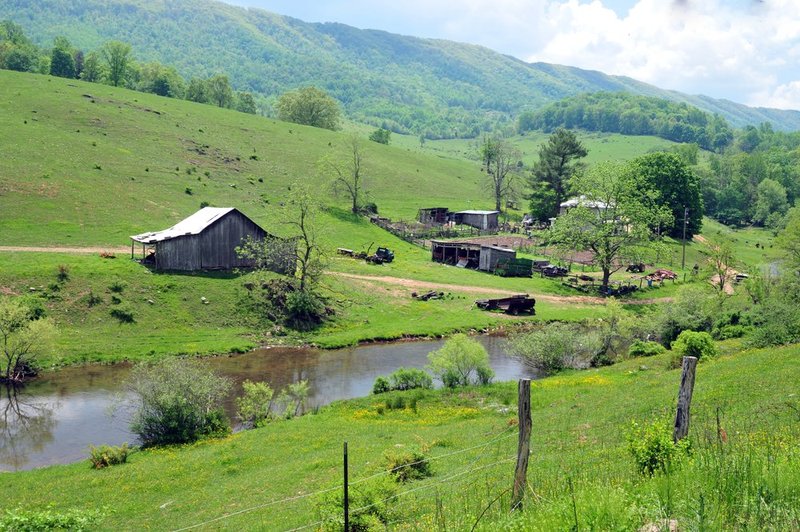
685	223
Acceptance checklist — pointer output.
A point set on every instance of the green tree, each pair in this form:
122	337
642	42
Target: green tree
92	68
176	401
254	407
499	158
160	79
117	57
613	219
788	240
677	186
461	361
559	160
24	339
245	103
219	91
197	91
380	135
771	199
557	346
62	62
309	106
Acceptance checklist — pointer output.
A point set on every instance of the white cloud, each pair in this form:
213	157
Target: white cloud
738	51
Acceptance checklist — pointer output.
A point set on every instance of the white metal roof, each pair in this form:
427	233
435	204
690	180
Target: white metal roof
478	212
583	202
193	225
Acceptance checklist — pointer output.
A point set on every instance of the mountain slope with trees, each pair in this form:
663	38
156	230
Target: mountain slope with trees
437	88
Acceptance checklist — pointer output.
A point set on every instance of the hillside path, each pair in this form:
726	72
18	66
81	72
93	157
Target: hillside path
70	250
413	284
427	285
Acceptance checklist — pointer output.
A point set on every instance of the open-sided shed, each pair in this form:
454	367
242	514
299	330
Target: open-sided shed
206	240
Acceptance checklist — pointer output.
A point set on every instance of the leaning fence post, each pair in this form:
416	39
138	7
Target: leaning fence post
684	399
524	446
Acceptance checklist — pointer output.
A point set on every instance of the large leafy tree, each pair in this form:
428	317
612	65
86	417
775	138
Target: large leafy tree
559	160
309	106
614	219
677	186
117	56
219	90
62	62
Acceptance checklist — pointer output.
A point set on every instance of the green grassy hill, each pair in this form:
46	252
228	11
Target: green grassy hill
440	88
89	165
742	472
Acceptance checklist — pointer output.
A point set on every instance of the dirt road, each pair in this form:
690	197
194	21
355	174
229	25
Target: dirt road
71	250
427	285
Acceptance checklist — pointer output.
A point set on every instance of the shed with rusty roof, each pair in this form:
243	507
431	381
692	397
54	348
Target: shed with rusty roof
206	240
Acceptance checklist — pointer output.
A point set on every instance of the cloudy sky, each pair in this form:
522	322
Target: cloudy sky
747	51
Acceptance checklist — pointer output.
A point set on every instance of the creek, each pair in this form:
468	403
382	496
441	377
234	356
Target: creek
55	418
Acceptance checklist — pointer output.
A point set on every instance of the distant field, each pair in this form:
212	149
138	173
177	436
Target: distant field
601	146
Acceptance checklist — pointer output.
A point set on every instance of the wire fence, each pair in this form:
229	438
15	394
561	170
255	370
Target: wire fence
474	481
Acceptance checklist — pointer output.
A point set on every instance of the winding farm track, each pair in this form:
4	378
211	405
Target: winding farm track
71	250
427	285
412	284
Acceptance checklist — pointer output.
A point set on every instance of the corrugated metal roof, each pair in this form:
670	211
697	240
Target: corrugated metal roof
478	212
583	202
193	225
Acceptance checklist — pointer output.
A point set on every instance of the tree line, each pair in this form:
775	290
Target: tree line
115	64
628	114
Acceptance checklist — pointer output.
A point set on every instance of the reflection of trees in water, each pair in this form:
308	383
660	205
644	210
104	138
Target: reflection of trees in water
25	426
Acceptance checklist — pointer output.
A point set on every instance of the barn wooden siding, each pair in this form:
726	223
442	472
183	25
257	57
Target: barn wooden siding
491	255
212	249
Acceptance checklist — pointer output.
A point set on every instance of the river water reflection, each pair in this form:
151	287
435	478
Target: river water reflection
54	419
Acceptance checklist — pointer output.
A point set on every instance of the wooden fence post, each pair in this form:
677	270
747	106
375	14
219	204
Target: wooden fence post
684	399
346	499
524	446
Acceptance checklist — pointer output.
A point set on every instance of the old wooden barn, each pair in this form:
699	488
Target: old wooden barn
206	240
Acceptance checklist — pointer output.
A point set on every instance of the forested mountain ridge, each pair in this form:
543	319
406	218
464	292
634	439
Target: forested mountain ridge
407	84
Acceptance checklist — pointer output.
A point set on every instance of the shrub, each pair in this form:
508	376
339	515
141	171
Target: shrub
41	520
176	401
117	287
693	309
254	407
123	314
63	273
107	455
92	299
726	332
556	346
409	379
652	448
694	344
304	310
640	348
405	465
293	399
372	507
370	208
461	361
381	385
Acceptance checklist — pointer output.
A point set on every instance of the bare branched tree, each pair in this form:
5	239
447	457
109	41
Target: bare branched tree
499	158
348	175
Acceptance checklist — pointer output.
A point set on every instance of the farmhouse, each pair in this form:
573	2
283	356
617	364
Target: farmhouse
581	201
206	240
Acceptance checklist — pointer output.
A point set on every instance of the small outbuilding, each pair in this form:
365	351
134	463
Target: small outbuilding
206	240
582	201
470	255
483	220
491	255
433	215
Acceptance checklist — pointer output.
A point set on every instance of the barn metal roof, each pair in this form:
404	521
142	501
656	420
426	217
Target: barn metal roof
478	212
193	225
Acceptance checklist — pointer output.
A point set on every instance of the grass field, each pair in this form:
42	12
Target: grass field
89	165
746	478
